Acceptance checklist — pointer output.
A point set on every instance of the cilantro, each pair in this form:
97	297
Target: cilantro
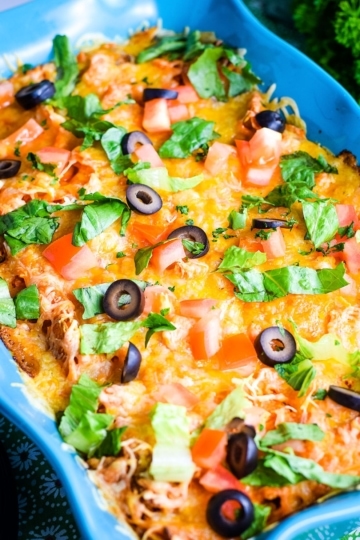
25	68
143	256
66	66
17	148
47	168
187	136
172	288
320	394
264	234
120	254
328	249
347	230
217	232
183	209
196	248
299	373
227	236
189	222
27	303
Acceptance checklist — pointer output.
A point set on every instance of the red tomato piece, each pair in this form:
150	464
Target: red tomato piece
6	93
351	255
260	156
27	133
68	260
196	308
204	336
218	479
236	351
218	156
167	254
146	152
56	156
177	394
178	113
275	245
346	214
157	298
156	116
209	449
186	94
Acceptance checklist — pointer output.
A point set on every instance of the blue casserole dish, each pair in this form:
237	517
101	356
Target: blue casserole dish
332	117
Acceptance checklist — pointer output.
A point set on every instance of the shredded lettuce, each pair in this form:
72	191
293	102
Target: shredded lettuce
291	430
27	303
188	136
7	306
158	178
232	406
326	348
236	258
171	460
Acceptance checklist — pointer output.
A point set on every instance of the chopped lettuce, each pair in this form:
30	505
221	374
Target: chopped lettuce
236	258
291	430
261	514
66	67
326	348
321	221
188	136
7	306
299	373
27	303
171	460
158	178
232	406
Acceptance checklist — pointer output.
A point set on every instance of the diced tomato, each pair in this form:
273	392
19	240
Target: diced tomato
156	116
68	260
158	298
218	479
218	156
177	394
346	214
56	156
204	336
146	152
351	255
151	233
6	93
350	289
260	156
275	245
178	113
27	133
186	94
209	449
167	254
236	351
196	308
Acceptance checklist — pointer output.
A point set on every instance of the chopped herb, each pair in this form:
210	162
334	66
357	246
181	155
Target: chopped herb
217	232
227	236
347	230
302	252
183	209
164	312
47	168
143	256
189	222
188	136
328	249
172	288
120	254
196	248
25	68
43	123
252	201
264	234
320	394
17	148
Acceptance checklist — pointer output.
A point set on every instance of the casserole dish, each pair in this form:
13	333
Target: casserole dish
324	105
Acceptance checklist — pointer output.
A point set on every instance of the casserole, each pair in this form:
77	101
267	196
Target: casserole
340	113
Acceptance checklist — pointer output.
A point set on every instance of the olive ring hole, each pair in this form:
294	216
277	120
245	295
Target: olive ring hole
123	300
231	512
144	197
277	345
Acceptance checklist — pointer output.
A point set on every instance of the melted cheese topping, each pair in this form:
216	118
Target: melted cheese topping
109	72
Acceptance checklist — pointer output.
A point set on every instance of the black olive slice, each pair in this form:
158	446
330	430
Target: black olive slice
33	94
268	223
275	346
229	528
271	119
241	454
9	168
194	234
345	397
155	93
130	140
143	199
132	364
123	300
237	425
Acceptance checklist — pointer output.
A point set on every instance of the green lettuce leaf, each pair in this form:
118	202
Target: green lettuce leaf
321	221
27	303
299	373
90	432
156	323
287	194
47	168
162	46
111	143
111	445
237	220
238	83
328	347
301	167
291	430
158	178
143	256
204	75
236	258
188	135
7	306
232	406
66	67
266	476
261	514
171	459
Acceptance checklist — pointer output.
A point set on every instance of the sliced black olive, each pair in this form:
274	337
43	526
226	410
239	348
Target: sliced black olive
132	364
130	140
9	168
268	223
229	528
241	454
345	397
275	346
123	300
155	93
30	96
271	119
194	234
143	199
237	425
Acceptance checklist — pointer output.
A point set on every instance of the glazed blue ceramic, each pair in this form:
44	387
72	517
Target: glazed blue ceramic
333	120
